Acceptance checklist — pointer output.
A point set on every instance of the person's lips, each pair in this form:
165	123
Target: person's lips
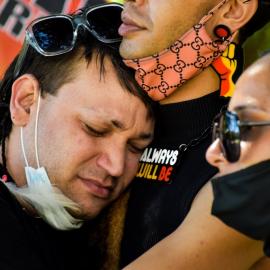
129	26
96	188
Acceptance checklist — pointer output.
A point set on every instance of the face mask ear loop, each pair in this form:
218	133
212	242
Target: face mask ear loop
212	12
36	128
23	150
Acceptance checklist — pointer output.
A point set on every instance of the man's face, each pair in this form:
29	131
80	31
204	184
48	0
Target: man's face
151	26
251	102
90	137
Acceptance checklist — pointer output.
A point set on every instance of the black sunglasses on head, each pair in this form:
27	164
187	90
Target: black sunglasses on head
57	34
229	129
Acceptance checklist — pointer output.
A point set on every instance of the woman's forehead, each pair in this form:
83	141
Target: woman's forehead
253	88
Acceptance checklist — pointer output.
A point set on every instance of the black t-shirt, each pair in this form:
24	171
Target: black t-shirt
30	243
168	179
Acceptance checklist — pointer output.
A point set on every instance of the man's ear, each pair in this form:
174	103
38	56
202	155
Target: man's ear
236	13
24	92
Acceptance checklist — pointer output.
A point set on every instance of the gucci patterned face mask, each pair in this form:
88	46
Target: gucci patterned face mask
161	74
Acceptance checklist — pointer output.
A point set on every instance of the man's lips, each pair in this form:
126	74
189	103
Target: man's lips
129	26
96	188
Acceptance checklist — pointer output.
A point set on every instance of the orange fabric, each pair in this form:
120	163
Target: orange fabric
8	48
10	42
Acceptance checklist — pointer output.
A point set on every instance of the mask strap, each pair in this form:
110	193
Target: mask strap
36	128
212	12
23	150
36	145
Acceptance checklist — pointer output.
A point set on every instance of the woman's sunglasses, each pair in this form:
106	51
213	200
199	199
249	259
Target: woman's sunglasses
229	129
57	34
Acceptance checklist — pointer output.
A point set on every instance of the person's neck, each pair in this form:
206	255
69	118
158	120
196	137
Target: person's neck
14	161
204	83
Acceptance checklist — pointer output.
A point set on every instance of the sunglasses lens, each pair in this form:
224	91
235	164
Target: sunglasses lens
230	136
105	22
53	34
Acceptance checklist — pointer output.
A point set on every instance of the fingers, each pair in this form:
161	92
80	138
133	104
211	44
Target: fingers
230	51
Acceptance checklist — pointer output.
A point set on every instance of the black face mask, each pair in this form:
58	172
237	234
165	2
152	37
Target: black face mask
242	201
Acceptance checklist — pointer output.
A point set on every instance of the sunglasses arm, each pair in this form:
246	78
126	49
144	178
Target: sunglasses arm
254	124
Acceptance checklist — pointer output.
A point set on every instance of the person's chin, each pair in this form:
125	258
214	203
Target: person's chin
138	47
128	50
88	212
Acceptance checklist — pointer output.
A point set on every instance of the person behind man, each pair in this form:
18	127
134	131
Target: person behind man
173	169
69	147
239	192
241	153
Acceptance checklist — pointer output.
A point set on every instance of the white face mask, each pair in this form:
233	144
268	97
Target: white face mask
49	202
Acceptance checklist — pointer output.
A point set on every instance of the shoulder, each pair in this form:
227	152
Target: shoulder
7	200
12	216
17	251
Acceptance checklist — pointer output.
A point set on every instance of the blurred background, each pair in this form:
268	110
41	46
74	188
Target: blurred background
15	15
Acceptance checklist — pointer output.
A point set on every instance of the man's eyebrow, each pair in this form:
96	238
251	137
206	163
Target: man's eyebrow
118	124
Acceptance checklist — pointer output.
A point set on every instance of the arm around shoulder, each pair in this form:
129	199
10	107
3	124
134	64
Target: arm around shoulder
202	242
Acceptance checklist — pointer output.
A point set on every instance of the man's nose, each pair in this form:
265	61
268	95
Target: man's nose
113	160
214	154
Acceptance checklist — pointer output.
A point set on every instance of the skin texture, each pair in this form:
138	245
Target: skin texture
150	26
210	244
151	39
89	141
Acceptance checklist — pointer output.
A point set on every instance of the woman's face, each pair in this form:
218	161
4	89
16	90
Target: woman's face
251	102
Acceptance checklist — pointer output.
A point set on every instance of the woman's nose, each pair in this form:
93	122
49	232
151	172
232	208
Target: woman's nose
214	154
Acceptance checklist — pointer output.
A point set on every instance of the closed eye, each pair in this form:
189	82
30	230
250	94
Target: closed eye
135	149
94	132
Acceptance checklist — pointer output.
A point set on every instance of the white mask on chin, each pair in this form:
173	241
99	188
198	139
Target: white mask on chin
48	201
